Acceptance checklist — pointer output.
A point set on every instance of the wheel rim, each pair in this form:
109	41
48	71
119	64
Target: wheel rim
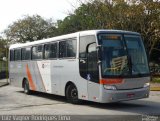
25	88
74	93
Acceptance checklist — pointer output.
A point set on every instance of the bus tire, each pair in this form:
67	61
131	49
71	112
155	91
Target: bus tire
72	94
26	87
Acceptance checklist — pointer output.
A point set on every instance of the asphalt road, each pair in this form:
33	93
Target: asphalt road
13	101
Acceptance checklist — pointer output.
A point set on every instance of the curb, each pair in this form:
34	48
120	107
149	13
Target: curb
154	88
4	84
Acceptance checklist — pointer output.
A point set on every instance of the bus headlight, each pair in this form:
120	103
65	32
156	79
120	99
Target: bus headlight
146	85
110	87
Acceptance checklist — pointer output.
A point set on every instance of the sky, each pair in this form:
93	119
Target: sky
12	10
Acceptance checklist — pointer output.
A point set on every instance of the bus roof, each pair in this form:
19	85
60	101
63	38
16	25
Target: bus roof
67	36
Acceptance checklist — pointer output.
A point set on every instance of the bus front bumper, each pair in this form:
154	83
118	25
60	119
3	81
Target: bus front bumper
124	95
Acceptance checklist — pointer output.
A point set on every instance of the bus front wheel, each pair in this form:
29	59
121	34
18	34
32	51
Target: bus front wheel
72	94
26	87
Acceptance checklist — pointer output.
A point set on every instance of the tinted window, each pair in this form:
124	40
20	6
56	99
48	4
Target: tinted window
92	66
37	52
17	54
26	53
114	55
137	53
50	51
84	62
47	51
112	43
67	48
11	55
84	41
53	50
62	49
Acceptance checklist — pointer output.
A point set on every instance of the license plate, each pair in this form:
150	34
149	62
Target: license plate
130	95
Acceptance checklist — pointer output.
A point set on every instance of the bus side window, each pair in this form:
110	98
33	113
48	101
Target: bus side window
46	51
50	51
71	48
26	53
62	49
67	48
17	54
53	50
37	52
11	55
84	41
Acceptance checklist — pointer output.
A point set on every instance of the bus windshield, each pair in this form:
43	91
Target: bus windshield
123	55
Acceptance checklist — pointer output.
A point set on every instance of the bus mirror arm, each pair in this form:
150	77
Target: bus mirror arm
99	46
99	62
99	53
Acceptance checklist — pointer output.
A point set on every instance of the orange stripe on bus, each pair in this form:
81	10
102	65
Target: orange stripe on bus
111	81
30	78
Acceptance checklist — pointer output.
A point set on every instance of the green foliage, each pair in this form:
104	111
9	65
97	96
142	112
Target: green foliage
3	48
30	28
142	17
156	80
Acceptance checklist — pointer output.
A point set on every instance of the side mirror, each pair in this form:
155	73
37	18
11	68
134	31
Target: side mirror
92	48
4	59
89	47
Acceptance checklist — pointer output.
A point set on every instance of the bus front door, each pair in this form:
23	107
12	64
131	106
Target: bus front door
93	73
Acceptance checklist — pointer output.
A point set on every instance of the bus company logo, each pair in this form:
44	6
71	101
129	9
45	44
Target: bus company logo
45	65
149	118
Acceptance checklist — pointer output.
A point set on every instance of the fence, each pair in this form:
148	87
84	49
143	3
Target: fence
155	71
3	63
3	69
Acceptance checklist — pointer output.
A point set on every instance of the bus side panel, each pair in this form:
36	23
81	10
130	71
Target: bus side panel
28	70
15	73
64	71
32	72
44	74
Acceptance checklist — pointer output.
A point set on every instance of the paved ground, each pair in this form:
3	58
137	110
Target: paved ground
14	101
155	86
3	82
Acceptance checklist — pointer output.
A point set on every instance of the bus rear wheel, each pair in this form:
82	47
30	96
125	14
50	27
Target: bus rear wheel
26	87
72	94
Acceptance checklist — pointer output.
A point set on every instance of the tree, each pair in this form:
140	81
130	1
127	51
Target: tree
3	48
141	16
30	28
151	24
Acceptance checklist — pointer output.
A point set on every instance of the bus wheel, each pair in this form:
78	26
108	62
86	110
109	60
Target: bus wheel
72	94
26	87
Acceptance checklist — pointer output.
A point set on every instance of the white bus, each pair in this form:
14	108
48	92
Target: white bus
96	65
